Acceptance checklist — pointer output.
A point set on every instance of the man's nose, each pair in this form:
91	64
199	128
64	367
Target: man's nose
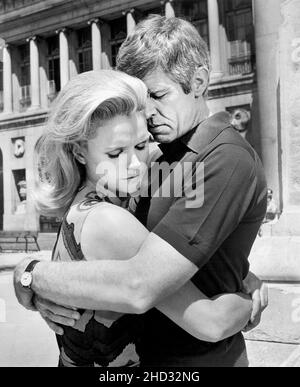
150	108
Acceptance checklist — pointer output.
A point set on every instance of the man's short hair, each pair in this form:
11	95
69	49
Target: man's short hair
170	44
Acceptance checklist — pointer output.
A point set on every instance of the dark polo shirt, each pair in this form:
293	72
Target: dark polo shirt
216	234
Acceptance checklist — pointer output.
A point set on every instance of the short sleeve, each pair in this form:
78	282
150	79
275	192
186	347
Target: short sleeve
228	186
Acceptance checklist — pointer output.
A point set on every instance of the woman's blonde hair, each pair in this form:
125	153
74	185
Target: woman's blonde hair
89	98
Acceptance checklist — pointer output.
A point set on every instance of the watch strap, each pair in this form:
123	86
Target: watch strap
31	266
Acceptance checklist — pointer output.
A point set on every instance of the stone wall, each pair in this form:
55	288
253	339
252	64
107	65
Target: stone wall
19	214
290	99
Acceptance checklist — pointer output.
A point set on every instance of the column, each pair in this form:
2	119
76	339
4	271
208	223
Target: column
96	43
7	81
267	50
214	38
130	20
169	10
34	72
289	49
64	56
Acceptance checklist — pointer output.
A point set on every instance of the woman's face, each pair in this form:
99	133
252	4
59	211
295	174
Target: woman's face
116	157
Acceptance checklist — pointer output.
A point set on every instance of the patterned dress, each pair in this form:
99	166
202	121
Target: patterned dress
99	338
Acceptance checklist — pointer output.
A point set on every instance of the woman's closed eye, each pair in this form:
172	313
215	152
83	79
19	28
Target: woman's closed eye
141	145
115	154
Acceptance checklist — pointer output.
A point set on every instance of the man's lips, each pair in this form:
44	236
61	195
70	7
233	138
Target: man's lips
155	129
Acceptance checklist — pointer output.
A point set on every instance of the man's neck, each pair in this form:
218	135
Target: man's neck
202	113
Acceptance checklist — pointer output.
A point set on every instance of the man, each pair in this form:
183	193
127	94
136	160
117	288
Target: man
208	242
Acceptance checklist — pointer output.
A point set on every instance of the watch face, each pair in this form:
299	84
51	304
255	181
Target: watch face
26	279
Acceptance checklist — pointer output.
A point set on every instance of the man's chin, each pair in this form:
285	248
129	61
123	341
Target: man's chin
163	138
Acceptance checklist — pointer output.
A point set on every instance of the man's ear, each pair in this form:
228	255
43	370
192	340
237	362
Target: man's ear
200	82
79	153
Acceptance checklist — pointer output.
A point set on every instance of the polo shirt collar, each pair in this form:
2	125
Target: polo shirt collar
201	136
198	138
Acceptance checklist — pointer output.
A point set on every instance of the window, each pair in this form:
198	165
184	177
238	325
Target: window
118	30
25	97
84	40
196	12
53	67
240	33
19	191
25	65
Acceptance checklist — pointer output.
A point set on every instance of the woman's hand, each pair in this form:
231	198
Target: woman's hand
56	315
259	294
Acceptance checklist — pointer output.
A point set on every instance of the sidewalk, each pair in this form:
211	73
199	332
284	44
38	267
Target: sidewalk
8	261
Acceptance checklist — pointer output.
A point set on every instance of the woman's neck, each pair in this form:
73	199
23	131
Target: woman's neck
115	198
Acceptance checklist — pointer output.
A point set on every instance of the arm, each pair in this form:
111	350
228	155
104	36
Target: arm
105	284
209	320
159	267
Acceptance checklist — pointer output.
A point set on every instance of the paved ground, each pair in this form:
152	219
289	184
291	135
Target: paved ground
26	340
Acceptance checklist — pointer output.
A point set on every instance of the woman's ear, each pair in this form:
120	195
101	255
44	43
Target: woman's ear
200	82
79	153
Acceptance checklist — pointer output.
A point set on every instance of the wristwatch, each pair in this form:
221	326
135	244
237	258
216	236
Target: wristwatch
26	278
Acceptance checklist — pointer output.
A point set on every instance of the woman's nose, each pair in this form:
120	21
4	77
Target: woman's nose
134	162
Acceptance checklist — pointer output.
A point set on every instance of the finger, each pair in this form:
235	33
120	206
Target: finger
256	309
249	328
264	296
57	309
58	319
25	298
31	307
56	328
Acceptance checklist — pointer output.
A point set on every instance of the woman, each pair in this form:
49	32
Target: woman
91	160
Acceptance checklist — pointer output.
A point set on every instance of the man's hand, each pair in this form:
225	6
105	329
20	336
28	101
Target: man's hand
56	315
23	295
259	294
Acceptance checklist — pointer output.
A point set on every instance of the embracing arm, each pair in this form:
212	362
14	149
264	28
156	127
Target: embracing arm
158	268
111	283
209	320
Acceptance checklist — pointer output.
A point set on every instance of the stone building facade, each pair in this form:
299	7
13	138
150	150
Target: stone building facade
255	51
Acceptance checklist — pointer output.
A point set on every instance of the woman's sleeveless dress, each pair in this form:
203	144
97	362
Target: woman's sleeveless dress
104	339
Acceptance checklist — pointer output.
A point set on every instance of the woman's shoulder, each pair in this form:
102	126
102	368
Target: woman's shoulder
102	228
111	232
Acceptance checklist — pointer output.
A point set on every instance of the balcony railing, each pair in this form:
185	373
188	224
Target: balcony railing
25	99
239	58
52	92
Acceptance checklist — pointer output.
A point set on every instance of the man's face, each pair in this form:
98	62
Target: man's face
170	112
